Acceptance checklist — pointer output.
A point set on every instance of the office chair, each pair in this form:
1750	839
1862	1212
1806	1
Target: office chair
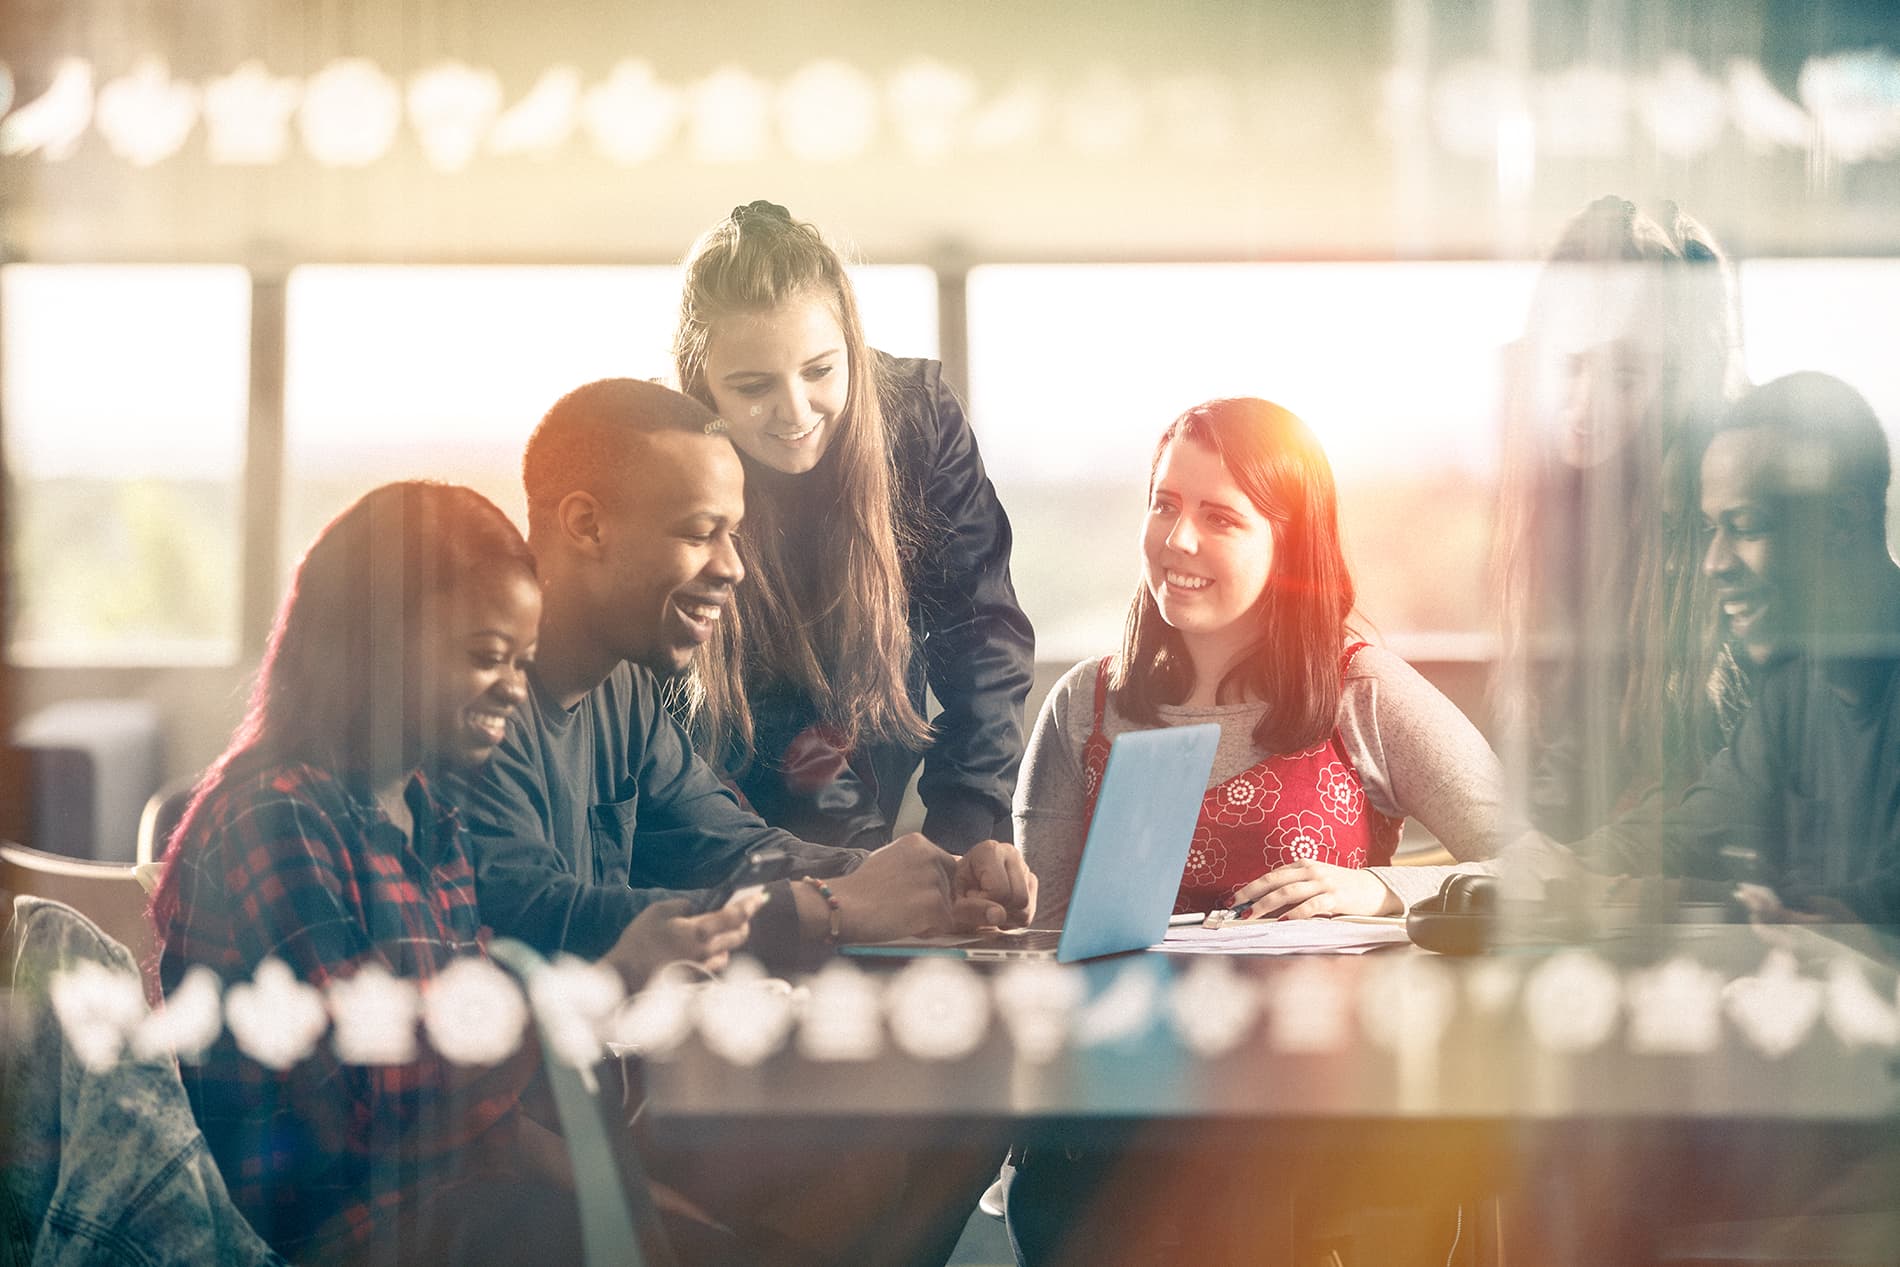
107	893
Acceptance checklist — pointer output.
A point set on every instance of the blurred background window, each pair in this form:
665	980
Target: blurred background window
126	393
1841	317
406	372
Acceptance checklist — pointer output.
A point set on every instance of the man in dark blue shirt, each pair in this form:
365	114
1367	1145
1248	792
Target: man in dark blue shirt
1803	807
1800	814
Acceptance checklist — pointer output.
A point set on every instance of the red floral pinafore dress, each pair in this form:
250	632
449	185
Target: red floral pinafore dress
1293	806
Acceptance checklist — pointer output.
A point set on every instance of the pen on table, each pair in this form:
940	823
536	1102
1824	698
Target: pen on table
1238	911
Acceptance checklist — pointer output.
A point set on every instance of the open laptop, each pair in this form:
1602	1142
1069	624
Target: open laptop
1132	861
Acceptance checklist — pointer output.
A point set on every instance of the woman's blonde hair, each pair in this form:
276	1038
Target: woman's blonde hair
825	604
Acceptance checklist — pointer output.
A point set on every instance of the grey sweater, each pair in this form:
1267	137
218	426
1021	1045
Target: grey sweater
1418	756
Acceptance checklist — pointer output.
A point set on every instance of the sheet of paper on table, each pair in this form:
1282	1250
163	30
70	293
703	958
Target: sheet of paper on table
1285	937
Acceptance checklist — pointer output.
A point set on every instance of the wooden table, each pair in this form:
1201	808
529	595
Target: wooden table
1594	1151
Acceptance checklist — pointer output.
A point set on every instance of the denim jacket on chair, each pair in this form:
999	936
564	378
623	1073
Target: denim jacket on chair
98	1167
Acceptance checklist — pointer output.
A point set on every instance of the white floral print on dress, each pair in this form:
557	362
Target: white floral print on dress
1207	860
1305	835
1246	799
1342	793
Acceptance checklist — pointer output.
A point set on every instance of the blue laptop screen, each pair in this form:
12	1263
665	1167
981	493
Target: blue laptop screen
1138	840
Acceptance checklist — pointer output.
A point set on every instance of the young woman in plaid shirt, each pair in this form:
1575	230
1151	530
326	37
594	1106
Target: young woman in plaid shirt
327	837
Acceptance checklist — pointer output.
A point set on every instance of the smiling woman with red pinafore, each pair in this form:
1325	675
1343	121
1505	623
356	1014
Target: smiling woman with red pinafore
1327	745
1327	742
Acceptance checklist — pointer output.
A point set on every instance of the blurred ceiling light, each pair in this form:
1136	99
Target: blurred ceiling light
1014	120
275	1018
744	1016
1406	1003
632	116
146	115
1404	103
247	115
472	1012
1212	1007
450	106
939	1009
1766	119
97	1007
827	112
1197	114
843	1017
1583	112
1855	1010
1038	1001
53	122
1124	1008
1104	114
1517	155
1674	1008
1855	97
1777	1007
930	103
731	117
1572	1001
1467	103
1684	109
1309	1004
542	120
373	1015
350	113
185	1025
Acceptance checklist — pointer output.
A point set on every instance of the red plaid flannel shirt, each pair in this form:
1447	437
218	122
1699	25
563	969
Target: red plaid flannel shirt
298	863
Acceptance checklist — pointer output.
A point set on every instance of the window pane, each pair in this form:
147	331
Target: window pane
441	373
126	394
1836	316
1075	370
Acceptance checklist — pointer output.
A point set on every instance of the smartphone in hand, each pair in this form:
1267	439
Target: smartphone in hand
762	866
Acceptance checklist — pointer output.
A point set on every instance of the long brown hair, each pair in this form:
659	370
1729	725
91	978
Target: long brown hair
825	606
1638	515
1292	663
333	684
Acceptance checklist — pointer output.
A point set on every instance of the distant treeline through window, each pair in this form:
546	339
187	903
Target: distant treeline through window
126	395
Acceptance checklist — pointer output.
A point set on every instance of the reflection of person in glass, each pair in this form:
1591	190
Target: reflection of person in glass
1804	805
877	552
1630	349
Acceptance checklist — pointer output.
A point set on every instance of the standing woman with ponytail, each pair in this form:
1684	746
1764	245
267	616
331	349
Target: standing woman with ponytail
876	553
1611	679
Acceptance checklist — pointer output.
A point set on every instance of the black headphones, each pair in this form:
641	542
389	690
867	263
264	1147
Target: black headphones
1460	920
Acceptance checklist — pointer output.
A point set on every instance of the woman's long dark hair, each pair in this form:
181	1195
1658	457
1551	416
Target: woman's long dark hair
337	668
1292	663
1631	526
825	605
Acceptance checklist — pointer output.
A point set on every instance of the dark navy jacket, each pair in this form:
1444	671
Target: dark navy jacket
973	648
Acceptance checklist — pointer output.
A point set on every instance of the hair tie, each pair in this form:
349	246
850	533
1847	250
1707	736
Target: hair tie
761	208
717	427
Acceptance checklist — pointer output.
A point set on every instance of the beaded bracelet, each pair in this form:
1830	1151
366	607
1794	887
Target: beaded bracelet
836	933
